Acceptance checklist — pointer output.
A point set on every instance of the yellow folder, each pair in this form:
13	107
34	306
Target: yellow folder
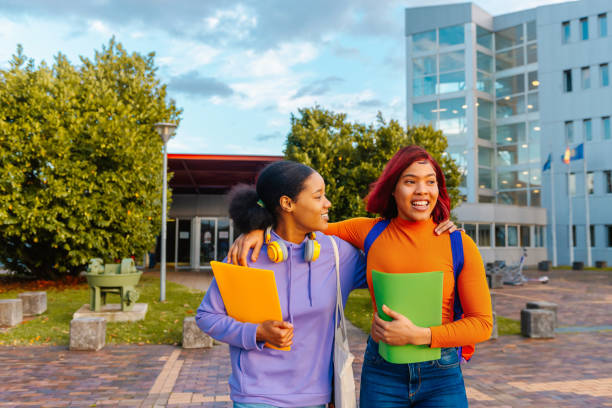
249	294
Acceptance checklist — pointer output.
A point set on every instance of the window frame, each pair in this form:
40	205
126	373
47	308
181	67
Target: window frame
602	25
566	32
567	81
584	28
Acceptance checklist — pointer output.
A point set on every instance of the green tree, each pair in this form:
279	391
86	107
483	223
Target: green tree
80	161
351	156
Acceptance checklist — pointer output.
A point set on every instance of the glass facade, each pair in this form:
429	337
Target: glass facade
507	155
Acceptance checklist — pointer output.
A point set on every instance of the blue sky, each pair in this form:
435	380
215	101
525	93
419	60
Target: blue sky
240	68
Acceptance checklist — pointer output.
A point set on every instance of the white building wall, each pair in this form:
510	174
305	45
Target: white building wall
558	106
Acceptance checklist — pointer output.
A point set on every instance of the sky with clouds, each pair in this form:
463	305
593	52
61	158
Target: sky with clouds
239	69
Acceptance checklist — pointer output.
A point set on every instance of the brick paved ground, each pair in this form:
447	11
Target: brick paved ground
572	370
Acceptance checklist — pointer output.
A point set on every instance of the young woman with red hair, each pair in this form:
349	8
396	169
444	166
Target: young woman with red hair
411	194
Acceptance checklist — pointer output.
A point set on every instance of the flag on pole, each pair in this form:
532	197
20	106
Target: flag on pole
576	153
547	164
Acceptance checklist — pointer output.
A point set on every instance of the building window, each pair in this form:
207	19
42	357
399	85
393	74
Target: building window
604	75
592	234
512	236
585	75
590	182
531	31
424	41
470	230
567	80
484	37
574	243
485	177
602	19
586	129
425	113
451	36
605	124
539	236
525	236
484	235
609	235
452	116
509	59
565	32
536	198
532	53
569	131
571	184
510	37
608	180
584	28
500	235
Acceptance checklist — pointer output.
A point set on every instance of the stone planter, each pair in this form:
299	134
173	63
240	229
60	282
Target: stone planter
545	266
578	266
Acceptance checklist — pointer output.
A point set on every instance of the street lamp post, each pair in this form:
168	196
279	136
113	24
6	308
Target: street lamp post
166	131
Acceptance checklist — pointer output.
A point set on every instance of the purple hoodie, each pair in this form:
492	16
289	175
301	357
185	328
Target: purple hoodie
307	293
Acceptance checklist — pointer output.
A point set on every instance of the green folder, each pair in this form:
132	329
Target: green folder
418	296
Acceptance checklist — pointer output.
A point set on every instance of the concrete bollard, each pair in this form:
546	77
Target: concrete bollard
11	312
193	337
541	304
538	323
495	280
495	332
87	333
34	303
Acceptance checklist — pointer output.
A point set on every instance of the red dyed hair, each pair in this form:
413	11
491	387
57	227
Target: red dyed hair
380	200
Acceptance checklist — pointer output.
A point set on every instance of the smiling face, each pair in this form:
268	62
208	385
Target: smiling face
310	208
416	192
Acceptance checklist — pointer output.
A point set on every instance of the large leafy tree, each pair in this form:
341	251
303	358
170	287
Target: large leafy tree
350	156
80	161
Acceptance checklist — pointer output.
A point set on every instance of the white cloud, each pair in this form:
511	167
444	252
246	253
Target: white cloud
271	62
184	56
99	27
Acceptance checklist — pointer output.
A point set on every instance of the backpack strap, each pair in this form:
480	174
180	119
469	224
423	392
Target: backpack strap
465	352
376	230
457	250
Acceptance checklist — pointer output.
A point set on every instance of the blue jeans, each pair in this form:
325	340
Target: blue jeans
437	383
241	405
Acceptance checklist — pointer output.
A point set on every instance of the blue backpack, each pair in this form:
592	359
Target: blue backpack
465	352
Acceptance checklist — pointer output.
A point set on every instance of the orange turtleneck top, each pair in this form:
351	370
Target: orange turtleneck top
412	247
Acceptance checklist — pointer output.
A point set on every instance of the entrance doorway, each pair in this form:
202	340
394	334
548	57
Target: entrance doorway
216	235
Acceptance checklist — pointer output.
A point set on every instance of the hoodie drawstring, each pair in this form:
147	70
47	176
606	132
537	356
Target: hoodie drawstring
310	283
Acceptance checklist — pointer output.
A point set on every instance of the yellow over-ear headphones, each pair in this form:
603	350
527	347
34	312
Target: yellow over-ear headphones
277	251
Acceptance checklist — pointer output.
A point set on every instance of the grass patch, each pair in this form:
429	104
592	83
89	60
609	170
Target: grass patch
163	323
507	326
358	309
359	312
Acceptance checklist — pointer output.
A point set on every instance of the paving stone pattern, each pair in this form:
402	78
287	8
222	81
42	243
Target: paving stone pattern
571	370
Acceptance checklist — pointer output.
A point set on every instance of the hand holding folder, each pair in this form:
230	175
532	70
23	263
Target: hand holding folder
250	295
418	296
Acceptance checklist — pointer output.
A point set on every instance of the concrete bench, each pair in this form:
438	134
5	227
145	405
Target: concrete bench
538	323
193	337
11	312
87	333
495	280
541	304
34	303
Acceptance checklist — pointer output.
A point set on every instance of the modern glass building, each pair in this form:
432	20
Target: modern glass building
508	91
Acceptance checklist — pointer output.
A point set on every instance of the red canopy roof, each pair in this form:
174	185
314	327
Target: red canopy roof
213	174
